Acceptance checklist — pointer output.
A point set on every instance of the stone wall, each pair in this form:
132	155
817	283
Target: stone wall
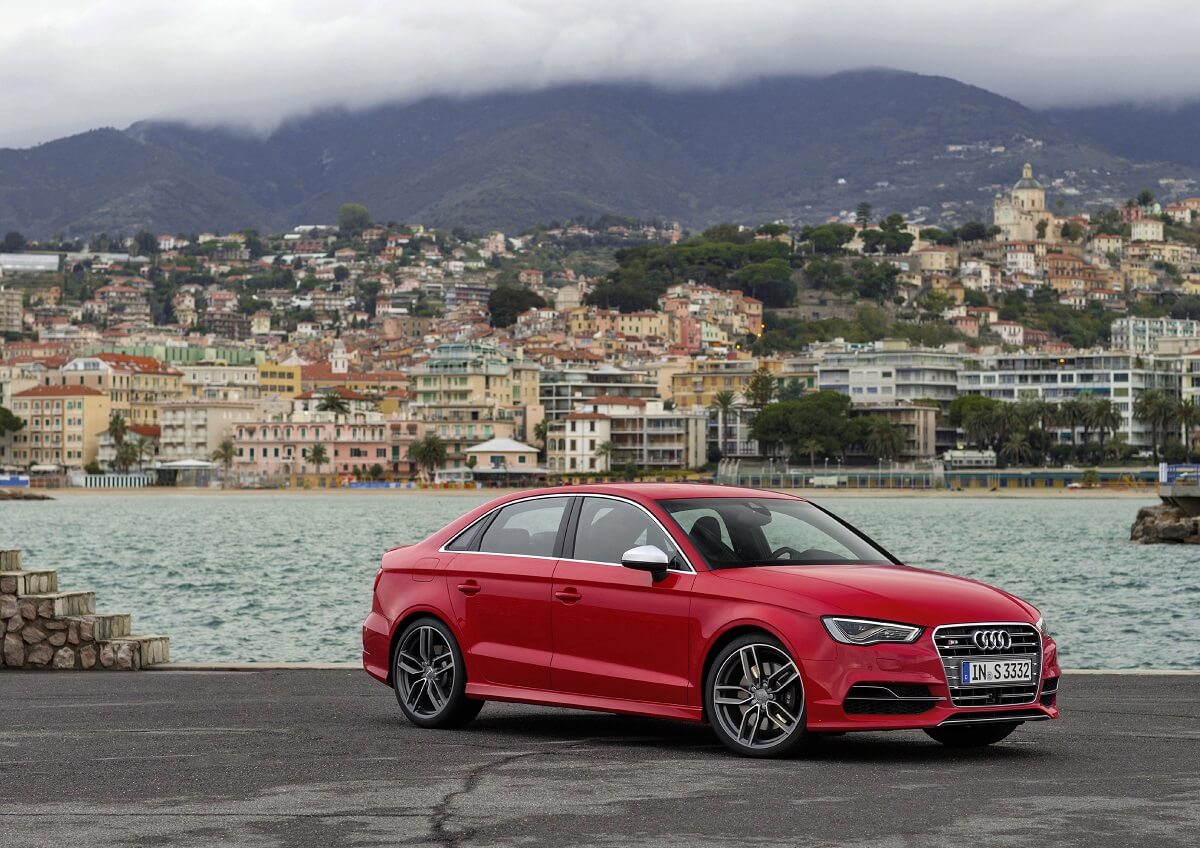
44	628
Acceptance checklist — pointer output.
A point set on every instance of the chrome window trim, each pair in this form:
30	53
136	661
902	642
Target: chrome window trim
690	569
1041	655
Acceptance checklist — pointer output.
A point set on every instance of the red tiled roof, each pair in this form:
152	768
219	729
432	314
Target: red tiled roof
148	430
60	391
141	364
587	416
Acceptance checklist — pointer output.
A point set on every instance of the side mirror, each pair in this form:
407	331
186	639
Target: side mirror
649	558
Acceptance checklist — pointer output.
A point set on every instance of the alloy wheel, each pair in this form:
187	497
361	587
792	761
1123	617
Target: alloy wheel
758	697
426	668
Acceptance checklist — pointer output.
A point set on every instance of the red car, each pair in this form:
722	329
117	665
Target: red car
760	613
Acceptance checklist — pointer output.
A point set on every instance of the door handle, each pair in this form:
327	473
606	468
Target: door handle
568	595
469	588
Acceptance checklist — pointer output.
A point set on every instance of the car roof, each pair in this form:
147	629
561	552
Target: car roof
660	491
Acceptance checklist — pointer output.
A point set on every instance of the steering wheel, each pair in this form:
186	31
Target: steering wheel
787	549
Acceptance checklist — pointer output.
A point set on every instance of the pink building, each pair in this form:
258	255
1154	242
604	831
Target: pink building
272	449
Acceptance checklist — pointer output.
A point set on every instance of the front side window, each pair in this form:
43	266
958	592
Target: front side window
527	528
739	533
608	528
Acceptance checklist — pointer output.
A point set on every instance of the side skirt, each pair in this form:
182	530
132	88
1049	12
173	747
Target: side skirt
547	698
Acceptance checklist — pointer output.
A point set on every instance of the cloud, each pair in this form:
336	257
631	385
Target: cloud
70	65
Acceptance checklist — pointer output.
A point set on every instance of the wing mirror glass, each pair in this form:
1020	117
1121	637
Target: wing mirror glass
649	558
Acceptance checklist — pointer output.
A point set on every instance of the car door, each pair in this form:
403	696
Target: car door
617	632
500	590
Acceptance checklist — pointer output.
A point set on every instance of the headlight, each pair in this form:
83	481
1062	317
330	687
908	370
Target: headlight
1040	624
864	631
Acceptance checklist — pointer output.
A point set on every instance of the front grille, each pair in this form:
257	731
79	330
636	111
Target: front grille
889	699
957	641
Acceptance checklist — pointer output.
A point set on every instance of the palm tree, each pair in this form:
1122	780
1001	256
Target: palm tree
428	453
127	455
1072	414
142	449
1017	449
331	401
1104	418
723	402
541	431
318	456
1156	409
812	447
886	439
118	429
225	454
1188	415
604	452
981	427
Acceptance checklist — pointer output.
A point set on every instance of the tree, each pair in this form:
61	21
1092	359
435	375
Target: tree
353	218
318	456
1188	416
126	456
333	402
723	403
505	303
375	471
1041	230
1145	197
604	452
760	389
145	243
823	416
428	454
341	273
1103	417
1017	450
770	282
541	431
886	439
9	422
1157	410
14	242
862	214
972	231
143	448
225	454
812	447
118	429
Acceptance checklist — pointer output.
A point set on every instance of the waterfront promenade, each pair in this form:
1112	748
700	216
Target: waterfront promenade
323	758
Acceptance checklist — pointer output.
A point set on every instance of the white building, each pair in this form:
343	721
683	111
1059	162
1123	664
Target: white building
193	429
1148	229
1142	335
891	372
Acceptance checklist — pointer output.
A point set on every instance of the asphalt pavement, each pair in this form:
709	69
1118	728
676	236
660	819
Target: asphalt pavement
324	758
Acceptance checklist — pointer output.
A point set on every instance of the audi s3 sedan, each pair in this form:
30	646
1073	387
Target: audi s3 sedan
759	613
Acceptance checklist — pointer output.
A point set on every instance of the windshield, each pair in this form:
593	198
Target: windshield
738	533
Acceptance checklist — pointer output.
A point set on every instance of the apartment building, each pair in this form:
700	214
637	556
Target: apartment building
11	311
62	425
610	432
275	379
136	385
891	372
279	446
218	379
195	427
1115	375
563	389
1142	335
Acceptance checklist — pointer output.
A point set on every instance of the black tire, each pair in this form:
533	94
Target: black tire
429	698
730	672
972	735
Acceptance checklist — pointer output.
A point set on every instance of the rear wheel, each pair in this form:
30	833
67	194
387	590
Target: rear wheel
972	735
430	678
754	697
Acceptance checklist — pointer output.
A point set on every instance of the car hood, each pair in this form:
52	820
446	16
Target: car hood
889	592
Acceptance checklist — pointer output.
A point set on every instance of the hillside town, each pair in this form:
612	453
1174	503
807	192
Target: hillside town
367	352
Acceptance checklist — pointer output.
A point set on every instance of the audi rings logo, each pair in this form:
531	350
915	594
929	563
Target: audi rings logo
992	640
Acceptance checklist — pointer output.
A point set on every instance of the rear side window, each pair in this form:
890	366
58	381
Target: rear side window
528	528
464	540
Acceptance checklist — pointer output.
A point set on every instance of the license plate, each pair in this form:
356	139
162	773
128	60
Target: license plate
995	672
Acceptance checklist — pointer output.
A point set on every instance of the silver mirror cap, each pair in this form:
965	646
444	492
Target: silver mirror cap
649	554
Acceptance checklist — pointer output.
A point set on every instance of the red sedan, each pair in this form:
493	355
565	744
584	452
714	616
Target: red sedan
760	613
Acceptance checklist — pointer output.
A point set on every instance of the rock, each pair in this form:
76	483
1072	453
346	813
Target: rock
15	623
28	608
33	634
73	633
124	656
45	609
14	651
8	606
64	658
39	654
87	656
57	638
1165	524
106	655
54	624
8	585
87	630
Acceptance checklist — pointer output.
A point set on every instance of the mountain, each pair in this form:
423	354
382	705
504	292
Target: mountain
792	148
1138	131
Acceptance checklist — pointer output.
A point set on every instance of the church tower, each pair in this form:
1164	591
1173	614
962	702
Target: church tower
1028	195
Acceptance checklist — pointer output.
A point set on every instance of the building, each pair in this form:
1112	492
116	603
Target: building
1142	335
918	422
62	425
1116	376
276	380
891	372
502	454
136	385
1148	229
217	379
628	431
11	311
194	428
562	389
1022	216
276	448
698	384
575	445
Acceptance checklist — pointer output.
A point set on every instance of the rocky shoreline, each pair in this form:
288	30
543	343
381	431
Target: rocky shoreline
1165	524
22	495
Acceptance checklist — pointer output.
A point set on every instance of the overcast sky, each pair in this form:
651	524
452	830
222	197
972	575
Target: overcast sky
70	65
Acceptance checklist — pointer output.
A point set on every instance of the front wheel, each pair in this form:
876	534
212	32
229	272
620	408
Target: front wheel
972	735
430	677
754	697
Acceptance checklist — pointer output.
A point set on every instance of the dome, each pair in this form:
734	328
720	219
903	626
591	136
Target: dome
1027	180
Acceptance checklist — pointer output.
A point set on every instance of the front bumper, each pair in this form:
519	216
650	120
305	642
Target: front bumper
919	686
